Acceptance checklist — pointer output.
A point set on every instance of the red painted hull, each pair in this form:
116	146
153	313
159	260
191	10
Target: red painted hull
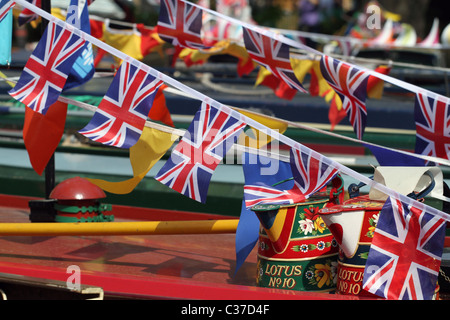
152	266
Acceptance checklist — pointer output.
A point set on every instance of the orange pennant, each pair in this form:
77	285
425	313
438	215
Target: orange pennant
375	86
159	111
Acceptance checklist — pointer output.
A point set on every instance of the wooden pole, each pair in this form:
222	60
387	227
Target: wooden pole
119	228
50	168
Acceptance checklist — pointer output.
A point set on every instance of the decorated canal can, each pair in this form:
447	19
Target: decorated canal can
296	250
352	225
78	200
353	222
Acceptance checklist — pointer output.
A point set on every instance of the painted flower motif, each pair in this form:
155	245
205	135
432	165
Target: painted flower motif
262	246
320	225
304	248
311	213
321	245
259	272
309	274
322	274
334	242
334	271
306	226
373	223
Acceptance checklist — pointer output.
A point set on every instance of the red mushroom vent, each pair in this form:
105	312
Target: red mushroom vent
77	189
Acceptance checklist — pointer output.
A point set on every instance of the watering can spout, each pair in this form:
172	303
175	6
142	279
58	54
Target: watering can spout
277	223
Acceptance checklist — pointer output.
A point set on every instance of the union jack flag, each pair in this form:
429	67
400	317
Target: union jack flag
311	171
26	15
432	126
350	84
5	5
272	55
257	194
180	24
405	253
121	115
46	71
193	161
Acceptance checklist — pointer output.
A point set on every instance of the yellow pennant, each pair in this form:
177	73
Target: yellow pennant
262	74
301	68
149	149
253	138
221	47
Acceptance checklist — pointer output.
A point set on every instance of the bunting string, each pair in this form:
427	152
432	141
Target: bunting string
355	41
235	114
180	133
331	134
294	44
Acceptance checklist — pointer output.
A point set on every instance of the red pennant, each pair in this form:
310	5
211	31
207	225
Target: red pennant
42	133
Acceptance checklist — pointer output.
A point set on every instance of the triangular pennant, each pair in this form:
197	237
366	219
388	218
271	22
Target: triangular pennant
351	85
43	133
152	145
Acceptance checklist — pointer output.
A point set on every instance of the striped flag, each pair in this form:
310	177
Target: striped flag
192	163
47	69
121	115
311	171
272	55
432	126
180	24
350	84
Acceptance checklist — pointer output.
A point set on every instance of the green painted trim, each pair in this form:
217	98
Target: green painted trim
223	198
75	209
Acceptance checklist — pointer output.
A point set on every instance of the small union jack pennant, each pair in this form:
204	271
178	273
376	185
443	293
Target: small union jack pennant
261	194
26	15
311	171
180	24
272	55
5	5
121	115
350	84
192	163
432	116
46	71
405	253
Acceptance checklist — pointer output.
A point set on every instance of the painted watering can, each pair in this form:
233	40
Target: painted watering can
353	222
296	251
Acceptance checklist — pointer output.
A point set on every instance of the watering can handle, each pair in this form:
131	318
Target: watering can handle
336	193
353	189
422	194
